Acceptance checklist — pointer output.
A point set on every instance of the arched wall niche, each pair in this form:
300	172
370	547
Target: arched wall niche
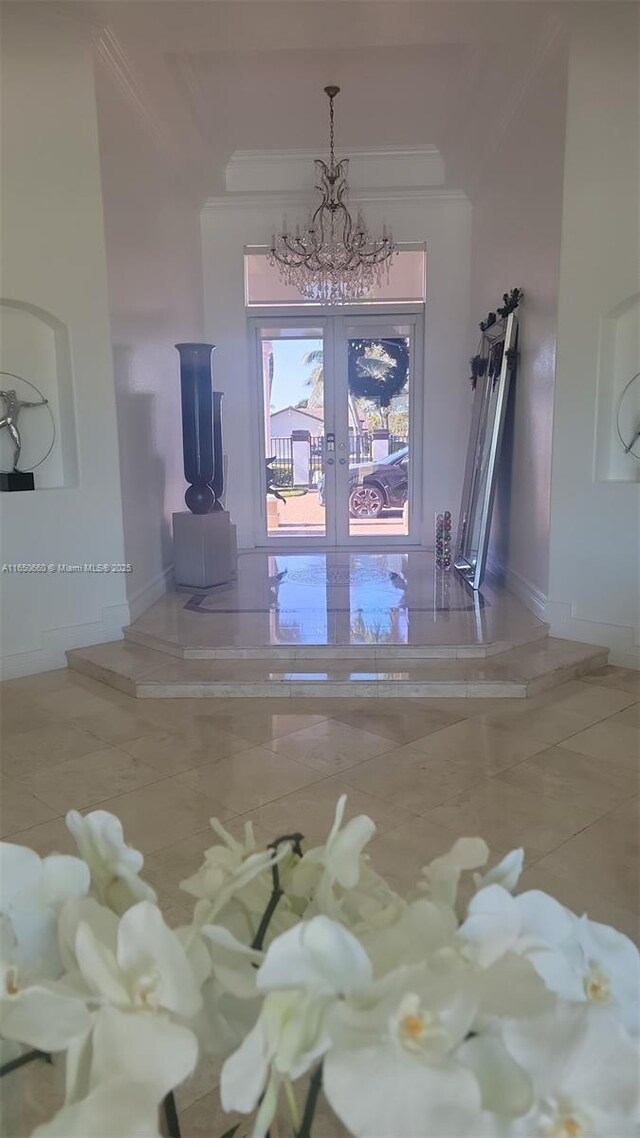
618	361
35	344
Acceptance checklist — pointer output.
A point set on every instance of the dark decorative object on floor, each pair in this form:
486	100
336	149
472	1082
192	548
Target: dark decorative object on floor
201	429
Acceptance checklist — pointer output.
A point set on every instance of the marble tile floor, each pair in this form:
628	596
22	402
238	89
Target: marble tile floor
339	601
557	773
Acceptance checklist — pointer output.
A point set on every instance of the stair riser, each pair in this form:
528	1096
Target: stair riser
334	652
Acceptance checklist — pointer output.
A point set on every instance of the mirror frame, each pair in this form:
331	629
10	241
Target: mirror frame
485	432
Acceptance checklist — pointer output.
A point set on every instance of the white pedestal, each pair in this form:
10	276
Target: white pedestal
204	549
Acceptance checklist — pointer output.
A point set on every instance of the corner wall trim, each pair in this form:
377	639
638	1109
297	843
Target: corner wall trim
620	639
148	594
531	596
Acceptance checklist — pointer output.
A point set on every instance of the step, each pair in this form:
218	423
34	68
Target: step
288	652
514	674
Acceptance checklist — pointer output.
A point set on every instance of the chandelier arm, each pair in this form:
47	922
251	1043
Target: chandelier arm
334	259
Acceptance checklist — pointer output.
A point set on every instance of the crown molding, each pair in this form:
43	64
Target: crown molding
293	170
250	200
111	54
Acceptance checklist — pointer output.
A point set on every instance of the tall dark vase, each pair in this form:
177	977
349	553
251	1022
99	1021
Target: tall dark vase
197	425
217	484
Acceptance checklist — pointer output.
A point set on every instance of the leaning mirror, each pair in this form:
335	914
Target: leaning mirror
493	370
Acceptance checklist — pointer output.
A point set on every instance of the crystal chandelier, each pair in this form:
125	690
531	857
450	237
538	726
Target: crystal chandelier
333	260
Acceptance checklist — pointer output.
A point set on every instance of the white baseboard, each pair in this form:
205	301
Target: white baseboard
148	594
530	595
620	639
54	643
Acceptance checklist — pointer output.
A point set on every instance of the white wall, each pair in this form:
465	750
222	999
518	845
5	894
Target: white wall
440	219
594	592
54	263
290	419
155	300
517	216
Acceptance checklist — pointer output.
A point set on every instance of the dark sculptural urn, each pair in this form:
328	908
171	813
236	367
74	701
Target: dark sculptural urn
201	429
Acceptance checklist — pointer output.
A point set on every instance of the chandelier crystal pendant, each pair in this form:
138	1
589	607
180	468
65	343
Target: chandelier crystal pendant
333	259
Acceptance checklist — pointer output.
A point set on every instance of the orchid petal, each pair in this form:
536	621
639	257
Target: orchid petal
504	1086
43	1018
98	967
244	1075
492	925
20	869
506	873
144	1047
319	955
117	1107
343	854
378	1092
145	942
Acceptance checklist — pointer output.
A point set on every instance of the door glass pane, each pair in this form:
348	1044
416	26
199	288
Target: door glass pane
294	408
378	371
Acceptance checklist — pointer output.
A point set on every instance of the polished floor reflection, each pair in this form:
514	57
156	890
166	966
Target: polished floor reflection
334	598
557	774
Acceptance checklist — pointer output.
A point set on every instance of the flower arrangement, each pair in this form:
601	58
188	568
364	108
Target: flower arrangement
503	1016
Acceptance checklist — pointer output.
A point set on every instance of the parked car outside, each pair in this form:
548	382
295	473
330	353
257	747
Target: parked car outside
376	485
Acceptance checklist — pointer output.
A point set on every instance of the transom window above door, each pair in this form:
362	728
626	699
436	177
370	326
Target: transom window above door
406	283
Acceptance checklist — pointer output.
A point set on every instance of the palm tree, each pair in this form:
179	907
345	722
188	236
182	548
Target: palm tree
315	360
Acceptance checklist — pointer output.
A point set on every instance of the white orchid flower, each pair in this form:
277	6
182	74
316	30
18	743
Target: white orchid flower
584	1069
235	880
34	1009
393	1068
318	956
226	969
116	1107
32	892
337	862
506	873
305	971
421	929
41	1014
114	865
136	980
578	959
442	875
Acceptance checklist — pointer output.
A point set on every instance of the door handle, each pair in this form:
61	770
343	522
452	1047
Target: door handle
342	461
331	461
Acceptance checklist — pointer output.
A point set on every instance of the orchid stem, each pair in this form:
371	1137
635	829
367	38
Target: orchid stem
277	892
171	1116
22	1061
315	1086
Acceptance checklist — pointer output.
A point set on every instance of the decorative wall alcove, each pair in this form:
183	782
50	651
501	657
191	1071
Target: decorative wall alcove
619	360
35	345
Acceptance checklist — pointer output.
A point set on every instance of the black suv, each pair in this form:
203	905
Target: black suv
376	486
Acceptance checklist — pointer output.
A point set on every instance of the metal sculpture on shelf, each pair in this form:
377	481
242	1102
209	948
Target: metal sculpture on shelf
492	370
201	429
16	479
12	408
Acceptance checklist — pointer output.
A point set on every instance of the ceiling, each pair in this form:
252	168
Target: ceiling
214	77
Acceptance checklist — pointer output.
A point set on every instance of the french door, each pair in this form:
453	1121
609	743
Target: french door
339	408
